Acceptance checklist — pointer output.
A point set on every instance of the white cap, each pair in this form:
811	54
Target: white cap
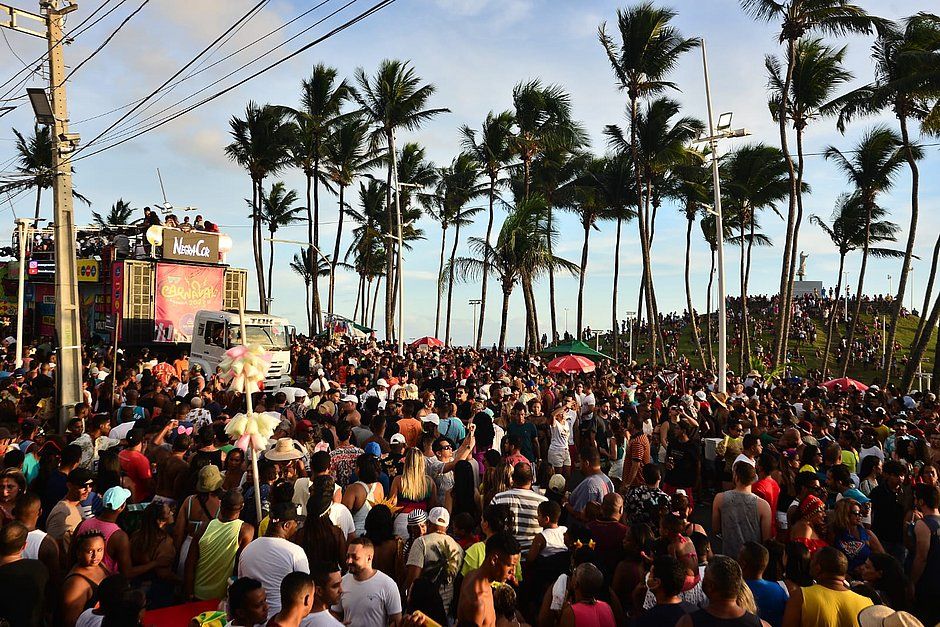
439	516
397	439
382	383
700	395
432	418
350	398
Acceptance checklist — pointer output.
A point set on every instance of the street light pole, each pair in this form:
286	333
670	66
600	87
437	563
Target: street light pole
22	233
630	317
473	303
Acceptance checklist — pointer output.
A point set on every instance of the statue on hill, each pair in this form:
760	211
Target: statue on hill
802	270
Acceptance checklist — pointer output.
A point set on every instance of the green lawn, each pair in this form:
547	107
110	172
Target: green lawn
905	335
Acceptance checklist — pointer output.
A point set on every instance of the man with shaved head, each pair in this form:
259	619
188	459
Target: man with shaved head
608	533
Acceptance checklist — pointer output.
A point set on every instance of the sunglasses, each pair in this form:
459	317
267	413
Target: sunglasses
856	512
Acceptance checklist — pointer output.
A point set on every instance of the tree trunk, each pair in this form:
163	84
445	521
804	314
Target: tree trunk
908	252
917	350
586	222
613	306
307	303
257	243
869	202
450	283
796	240
440	276
38	200
504	317
551	279
742	327
389	247
708	312
316	236
642	226
478	340
688	292
747	281
784	296
528	317
270	263
358	298
928	291
336	246
375	299
833	316
311	252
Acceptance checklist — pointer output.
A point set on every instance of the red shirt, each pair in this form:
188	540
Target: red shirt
136	466
769	490
411	429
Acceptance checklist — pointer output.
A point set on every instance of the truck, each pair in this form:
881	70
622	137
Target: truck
214	332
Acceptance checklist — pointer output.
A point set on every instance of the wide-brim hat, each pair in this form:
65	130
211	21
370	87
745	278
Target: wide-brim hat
884	616
721	398
283	450
210	479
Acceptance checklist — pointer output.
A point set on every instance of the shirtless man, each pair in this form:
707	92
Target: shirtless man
476	595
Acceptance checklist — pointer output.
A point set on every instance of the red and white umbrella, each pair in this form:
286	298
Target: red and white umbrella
427	340
571	363
845	384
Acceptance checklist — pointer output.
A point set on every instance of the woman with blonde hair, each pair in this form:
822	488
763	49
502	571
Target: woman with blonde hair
412	489
850	536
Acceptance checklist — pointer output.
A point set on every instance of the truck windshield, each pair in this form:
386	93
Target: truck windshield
268	336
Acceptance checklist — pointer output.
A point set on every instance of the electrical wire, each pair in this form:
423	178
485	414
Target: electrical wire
104	43
365	14
178	72
18	57
138	125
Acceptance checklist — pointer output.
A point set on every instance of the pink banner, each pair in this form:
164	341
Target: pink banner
181	292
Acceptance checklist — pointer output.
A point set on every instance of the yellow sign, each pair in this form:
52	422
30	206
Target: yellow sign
89	270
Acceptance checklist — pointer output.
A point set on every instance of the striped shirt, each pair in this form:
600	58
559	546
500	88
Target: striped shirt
524	504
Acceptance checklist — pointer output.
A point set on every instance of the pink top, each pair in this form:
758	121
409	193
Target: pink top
597	614
107	529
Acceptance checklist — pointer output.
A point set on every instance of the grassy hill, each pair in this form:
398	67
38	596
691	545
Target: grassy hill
906	328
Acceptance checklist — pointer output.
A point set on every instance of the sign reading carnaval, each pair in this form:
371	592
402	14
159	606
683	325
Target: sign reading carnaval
181	291
191	246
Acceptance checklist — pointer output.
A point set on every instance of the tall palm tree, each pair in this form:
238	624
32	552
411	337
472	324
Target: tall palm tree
847	231
871	169
394	99
259	144
34	166
897	86
649	47
543	122
277	210
321	99
368	245
493	151
798	18
301	264
817	73
346	155
755	178
120	214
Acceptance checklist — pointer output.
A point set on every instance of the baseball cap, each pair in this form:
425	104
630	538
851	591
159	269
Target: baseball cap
700	395
350	398
417	517
80	476
557	484
397	439
857	495
373	448
434	418
115	498
135	436
285	511
381	383
439	516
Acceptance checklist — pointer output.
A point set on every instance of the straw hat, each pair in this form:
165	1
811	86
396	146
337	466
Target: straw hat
721	398
883	616
283	451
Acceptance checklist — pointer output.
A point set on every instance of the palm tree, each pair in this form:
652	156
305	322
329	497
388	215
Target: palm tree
368	245
519	253
847	232
34	166
301	264
346	156
544	123
120	214
897	86
799	18
277	210
394	99
320	103
871	169
493	152
259	144
649	48
756	179
817	72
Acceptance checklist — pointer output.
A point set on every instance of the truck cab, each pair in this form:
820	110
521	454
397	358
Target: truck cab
214	332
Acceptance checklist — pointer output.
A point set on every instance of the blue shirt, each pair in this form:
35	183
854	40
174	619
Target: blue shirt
453	430
771	599
594	488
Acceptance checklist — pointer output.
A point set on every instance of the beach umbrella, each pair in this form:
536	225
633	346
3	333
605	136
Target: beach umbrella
844	384
427	340
571	363
573	347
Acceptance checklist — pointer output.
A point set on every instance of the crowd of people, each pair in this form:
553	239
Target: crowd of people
452	486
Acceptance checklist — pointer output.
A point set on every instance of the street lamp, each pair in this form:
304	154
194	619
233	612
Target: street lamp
631	316
308	245
473	302
723	131
401	271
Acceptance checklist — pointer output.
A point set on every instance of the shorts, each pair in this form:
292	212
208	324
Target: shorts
558	457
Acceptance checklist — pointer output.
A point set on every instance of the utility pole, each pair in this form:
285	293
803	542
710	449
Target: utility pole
474	302
69	366
22	235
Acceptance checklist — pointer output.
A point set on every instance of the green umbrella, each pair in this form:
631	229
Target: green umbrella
573	347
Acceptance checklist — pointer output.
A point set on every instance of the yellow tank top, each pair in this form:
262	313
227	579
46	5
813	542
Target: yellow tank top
824	607
217	548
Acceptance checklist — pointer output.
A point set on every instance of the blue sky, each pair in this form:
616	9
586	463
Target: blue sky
474	51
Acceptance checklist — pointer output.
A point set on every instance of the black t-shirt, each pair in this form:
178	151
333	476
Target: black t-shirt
685	458
23	580
664	615
887	514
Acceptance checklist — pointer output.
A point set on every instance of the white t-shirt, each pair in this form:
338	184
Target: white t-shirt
875	450
320	619
570	416
743	458
269	560
369	603
561	435
587	401
342	518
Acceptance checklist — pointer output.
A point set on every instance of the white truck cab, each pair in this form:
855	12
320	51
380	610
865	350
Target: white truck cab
214	332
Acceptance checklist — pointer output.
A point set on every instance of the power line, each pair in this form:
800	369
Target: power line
367	13
105	42
134	127
178	72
